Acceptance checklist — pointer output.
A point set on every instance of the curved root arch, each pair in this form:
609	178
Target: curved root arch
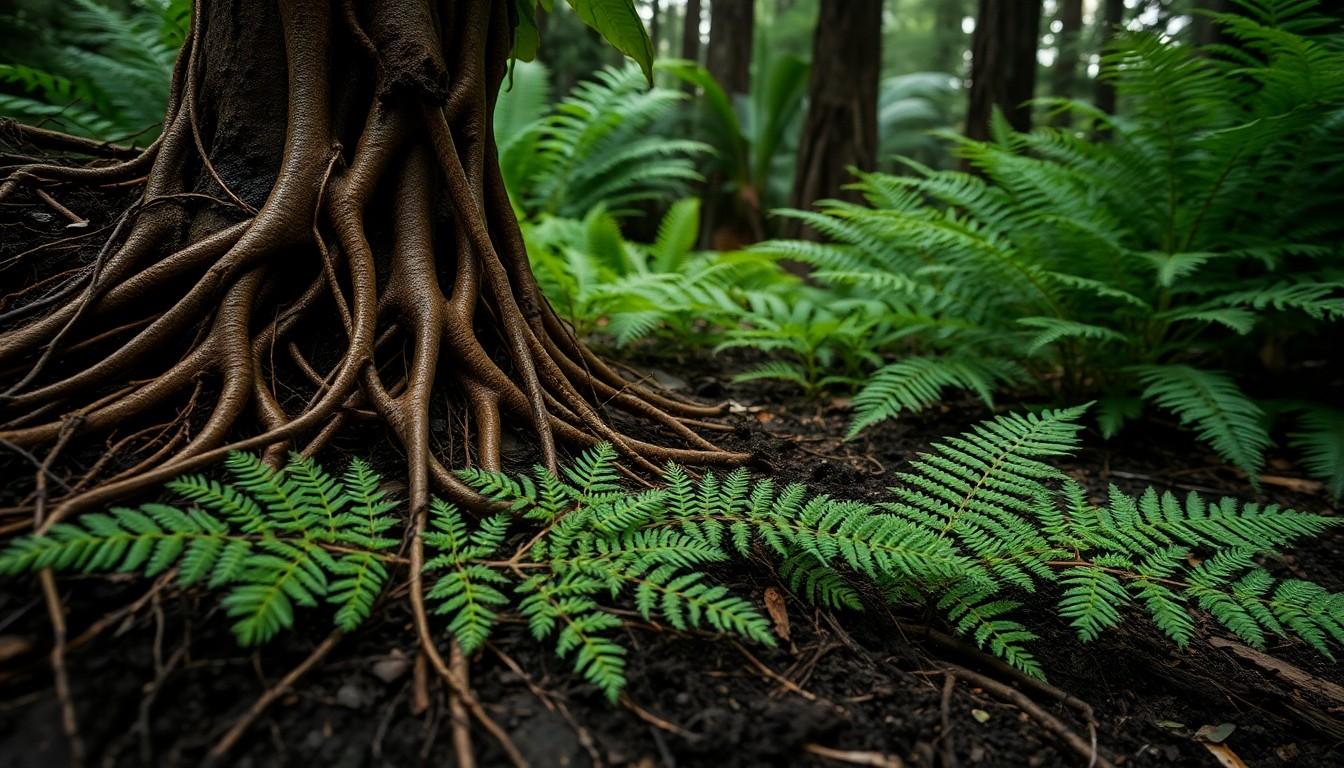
400	240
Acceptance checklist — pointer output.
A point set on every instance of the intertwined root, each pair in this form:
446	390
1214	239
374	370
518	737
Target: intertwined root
439	299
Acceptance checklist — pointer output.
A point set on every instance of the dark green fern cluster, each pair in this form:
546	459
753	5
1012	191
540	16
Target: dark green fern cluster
1202	233
273	540
974	527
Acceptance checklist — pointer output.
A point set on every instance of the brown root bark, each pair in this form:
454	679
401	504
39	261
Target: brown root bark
386	222
280	280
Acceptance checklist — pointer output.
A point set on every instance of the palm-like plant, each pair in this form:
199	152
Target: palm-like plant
104	73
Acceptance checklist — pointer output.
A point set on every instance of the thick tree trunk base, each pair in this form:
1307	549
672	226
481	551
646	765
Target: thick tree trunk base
371	220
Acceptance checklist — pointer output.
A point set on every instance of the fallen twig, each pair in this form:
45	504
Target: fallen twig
266	699
1036	712
876	759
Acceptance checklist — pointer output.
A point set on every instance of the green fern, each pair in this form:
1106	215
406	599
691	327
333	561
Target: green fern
274	540
104	74
1320	438
1225	417
1124	269
607	143
974	526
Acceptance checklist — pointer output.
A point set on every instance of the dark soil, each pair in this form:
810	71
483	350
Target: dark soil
161	685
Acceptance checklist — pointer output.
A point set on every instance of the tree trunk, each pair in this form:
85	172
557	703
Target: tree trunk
324	236
731	215
1067	47
690	31
731	25
1112	16
1003	64
841	126
655	24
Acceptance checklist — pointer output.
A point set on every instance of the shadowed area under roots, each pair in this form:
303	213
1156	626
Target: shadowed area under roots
323	237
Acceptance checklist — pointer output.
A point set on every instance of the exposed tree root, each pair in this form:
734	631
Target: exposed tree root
383	269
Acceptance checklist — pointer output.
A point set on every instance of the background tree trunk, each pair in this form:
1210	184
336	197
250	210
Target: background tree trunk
731	210
1003	64
731	25
655	24
841	126
690	31
1112	16
1068	47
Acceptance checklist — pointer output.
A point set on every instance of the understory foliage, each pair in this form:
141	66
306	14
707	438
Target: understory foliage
603	282
607	144
972	529
104	74
1200	233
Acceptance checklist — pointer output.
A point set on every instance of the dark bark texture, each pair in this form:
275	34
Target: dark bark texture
840	131
1003	64
731	25
690	31
731	216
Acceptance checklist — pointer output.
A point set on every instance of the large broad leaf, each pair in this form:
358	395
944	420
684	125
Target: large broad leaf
526	38
618	21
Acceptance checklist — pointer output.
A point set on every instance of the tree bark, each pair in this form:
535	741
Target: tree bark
1003	64
1112	17
731	26
1068	49
840	130
731	215
690	31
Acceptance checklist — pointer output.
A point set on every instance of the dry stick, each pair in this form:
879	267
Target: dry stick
852	757
949	754
462	750
656	721
69	719
75	219
1053	724
551	703
241	725
56	611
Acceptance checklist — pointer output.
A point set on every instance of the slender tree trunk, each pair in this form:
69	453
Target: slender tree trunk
732	216
1112	16
840	131
1068	48
731	26
690	31
1003	64
655	24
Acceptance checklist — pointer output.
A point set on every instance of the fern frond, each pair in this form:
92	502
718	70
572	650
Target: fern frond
1224	416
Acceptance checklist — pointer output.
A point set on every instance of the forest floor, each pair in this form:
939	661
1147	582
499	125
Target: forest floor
162	679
